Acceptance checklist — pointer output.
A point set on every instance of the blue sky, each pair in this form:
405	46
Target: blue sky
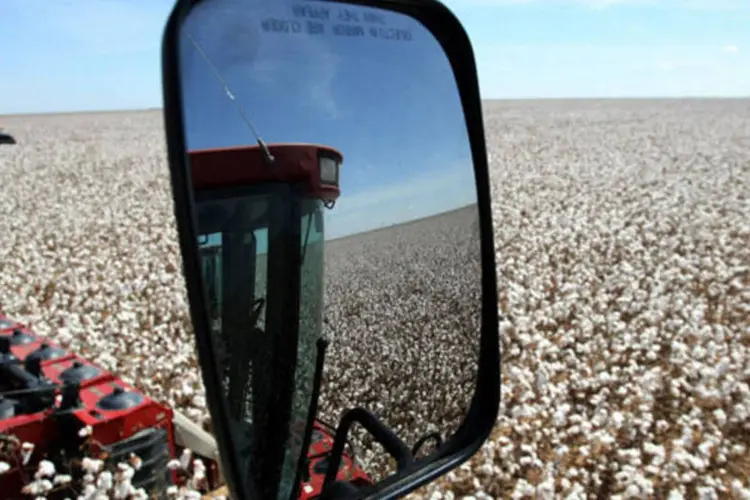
67	55
104	54
396	129
611	48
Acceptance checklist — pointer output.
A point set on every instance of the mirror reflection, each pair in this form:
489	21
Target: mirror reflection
338	227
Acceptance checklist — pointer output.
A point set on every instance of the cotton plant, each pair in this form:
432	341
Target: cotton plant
623	271
100	483
621	246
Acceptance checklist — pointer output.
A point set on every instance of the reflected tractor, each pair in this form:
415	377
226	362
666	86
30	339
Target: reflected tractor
260	228
260	232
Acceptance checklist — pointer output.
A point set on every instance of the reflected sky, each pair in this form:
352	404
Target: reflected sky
374	85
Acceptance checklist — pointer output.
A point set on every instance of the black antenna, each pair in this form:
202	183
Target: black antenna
269	157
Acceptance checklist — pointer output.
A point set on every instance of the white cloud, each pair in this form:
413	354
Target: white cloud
230	34
731	49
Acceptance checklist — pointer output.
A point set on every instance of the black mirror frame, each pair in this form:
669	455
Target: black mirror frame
482	415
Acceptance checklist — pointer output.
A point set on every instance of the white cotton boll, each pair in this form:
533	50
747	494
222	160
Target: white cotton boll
27	450
657	451
45	485
523	488
105	481
577	492
92	465
720	416
632	491
560	416
706	493
199	476
675	495
33	488
705	448
739	490
135	461
546	490
185	457
64	336
486	469
122	490
89	490
125	471
617	419
738	449
45	469
723	367
662	425
140	494
61	479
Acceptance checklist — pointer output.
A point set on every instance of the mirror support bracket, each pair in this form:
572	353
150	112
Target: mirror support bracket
382	434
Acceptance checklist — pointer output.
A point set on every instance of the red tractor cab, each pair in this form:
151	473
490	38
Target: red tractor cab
315	168
260	228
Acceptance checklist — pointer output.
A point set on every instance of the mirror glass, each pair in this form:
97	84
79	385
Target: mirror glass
335	199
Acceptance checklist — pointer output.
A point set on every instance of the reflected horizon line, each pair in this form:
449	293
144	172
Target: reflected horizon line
402	223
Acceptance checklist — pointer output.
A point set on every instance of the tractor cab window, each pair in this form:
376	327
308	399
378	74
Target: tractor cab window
211	252
261	255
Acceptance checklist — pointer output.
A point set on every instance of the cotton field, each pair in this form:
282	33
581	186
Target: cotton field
622	233
403	316
623	245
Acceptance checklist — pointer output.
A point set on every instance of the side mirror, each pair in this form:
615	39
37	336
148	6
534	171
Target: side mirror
369	364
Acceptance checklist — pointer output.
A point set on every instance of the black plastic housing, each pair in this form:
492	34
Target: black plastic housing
152	447
477	425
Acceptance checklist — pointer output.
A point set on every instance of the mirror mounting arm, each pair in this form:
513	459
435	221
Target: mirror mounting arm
321	346
382	434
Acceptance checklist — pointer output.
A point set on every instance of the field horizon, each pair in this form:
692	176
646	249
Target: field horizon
620	231
560	99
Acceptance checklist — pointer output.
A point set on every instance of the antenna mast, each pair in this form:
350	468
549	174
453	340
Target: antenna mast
230	95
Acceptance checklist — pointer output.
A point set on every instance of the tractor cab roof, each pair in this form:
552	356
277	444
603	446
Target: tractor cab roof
248	165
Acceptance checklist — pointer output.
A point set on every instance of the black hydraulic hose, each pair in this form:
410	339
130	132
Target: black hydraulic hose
303	463
33	390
